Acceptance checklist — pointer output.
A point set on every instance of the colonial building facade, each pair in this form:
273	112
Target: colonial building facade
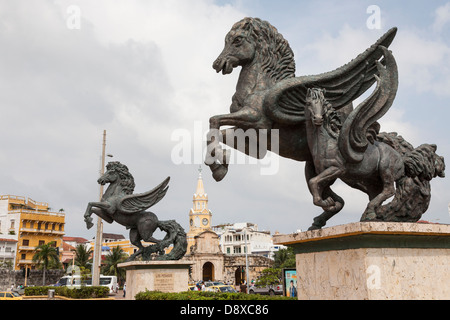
31	224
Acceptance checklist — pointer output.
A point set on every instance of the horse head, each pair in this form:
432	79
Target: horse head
316	106
118	173
254	39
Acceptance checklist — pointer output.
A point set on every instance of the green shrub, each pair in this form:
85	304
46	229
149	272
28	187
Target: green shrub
81	293
204	295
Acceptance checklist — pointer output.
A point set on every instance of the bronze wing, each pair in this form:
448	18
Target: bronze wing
285	102
142	201
358	128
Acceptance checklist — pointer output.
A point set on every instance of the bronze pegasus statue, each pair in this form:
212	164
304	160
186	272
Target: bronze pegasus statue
270	97
119	204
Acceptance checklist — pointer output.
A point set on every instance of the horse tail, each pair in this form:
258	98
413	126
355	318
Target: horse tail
413	190
424	163
176	236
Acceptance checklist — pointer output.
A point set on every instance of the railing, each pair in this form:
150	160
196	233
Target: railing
48	213
26	248
25	261
7	255
49	231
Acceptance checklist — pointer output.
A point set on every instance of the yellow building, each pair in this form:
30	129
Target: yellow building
32	224
199	216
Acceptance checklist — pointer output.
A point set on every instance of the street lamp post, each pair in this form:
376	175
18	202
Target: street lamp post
98	238
246	258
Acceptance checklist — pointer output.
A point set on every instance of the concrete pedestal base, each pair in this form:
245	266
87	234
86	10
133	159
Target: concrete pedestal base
372	261
165	276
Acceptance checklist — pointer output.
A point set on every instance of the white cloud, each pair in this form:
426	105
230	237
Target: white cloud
442	17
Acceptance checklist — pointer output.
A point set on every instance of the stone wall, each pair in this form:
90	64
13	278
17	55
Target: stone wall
16	278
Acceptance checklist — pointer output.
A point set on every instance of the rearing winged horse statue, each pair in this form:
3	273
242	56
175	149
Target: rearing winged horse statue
119	204
351	150
269	95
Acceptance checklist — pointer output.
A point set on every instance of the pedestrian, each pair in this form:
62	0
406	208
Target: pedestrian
203	286
124	289
243	287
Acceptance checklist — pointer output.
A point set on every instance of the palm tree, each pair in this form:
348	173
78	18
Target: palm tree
83	256
116	256
46	255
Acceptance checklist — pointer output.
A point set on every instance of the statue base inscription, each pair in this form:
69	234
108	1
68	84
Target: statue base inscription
164	276
372	261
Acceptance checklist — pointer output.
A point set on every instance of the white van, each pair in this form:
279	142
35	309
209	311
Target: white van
110	282
76	281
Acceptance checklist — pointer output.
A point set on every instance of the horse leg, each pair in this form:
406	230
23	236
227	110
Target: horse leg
320	221
99	209
135	239
390	169
217	158
318	184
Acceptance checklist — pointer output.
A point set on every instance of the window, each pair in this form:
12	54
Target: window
25	242
12	224
23	256
41	242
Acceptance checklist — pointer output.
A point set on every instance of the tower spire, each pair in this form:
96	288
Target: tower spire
200	191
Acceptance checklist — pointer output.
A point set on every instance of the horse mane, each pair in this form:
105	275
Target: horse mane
126	179
277	56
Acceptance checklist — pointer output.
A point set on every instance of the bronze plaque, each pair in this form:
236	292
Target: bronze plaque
164	282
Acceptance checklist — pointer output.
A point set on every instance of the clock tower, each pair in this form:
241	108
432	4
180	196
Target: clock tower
199	215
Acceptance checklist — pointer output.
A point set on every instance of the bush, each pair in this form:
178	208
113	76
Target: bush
81	293
204	295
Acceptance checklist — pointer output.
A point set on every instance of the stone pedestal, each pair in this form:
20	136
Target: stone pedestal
372	261
165	276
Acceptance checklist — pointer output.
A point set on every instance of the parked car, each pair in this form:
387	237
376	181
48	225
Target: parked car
6	295
271	290
20	290
221	288
213	283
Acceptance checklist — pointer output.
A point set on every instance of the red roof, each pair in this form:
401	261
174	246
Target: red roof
75	239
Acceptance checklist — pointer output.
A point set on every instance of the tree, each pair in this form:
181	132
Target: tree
269	276
83	256
45	256
116	256
284	258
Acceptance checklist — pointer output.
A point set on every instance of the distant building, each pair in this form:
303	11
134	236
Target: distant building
237	238
31	224
8	248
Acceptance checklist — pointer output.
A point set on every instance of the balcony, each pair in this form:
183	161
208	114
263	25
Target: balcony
7	255
44	231
27	248
25	261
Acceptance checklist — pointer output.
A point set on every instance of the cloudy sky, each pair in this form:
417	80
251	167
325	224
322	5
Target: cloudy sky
141	70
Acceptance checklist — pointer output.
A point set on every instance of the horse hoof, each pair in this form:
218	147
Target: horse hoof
219	173
89	223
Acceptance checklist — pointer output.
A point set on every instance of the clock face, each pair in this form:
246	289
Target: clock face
205	221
